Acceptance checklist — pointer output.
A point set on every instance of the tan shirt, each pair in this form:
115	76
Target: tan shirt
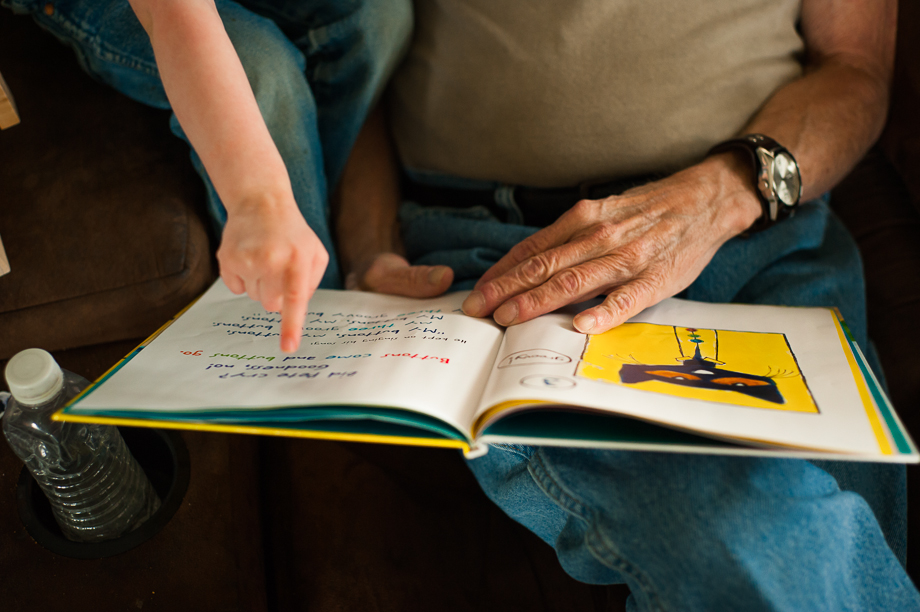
556	92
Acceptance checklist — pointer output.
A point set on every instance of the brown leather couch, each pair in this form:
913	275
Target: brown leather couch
101	216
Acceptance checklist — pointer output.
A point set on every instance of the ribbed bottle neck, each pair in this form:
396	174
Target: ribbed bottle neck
42	406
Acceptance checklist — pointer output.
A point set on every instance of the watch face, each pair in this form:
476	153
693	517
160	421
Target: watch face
786	181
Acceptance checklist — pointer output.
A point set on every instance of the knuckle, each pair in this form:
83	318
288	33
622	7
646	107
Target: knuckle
615	269
631	257
494	290
623	301
536	269
526	248
536	302
274	258
652	279
606	232
570	281
497	289
628	261
583	209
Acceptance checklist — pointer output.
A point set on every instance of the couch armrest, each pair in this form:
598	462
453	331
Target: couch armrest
102	213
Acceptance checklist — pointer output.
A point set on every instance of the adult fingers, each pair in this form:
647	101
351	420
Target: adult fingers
570	285
554	235
538	257
531	273
621	304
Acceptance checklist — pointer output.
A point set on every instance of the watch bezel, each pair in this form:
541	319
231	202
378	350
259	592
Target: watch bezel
765	182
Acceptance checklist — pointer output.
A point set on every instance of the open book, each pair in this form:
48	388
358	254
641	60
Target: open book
681	376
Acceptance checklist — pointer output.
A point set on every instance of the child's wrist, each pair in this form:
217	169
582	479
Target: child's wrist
261	202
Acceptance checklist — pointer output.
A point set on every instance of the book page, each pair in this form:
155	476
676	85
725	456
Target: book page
757	374
357	349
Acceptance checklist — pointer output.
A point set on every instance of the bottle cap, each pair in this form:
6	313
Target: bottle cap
34	377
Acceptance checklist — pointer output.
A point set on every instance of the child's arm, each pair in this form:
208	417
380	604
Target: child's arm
267	249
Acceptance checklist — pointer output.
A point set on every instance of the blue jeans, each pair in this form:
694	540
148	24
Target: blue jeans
316	68
693	532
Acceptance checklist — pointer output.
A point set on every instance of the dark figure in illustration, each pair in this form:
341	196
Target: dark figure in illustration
701	374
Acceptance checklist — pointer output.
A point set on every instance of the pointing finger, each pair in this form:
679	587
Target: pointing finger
293	310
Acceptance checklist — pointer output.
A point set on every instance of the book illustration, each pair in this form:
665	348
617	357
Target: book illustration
755	369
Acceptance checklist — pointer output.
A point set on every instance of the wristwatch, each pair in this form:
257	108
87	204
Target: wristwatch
777	180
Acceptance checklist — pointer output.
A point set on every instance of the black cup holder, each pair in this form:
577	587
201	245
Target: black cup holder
163	456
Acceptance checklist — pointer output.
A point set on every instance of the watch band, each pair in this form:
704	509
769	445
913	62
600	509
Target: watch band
762	151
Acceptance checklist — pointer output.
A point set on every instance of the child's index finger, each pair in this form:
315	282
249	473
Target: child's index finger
293	313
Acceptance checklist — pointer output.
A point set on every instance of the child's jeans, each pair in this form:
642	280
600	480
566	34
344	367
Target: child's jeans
316	68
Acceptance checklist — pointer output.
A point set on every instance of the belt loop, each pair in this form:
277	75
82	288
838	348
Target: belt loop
504	197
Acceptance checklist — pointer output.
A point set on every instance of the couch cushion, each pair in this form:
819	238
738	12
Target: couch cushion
100	210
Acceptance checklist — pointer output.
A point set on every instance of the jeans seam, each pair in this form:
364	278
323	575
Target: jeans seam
90	42
511	448
601	547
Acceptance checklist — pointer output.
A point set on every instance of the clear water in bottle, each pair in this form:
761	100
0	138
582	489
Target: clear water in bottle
96	488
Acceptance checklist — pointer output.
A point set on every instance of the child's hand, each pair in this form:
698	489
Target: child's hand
269	252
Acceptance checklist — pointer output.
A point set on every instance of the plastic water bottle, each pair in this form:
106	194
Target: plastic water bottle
96	488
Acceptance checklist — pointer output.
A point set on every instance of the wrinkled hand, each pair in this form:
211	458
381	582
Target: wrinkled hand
271	254
391	273
637	248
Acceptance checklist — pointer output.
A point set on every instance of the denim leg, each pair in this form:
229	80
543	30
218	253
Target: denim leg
109	42
694	532
352	49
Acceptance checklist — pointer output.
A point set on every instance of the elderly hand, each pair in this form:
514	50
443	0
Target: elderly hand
638	248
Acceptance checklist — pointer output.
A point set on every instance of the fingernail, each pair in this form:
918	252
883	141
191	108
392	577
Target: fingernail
436	276
584	322
506	314
474	304
287	346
